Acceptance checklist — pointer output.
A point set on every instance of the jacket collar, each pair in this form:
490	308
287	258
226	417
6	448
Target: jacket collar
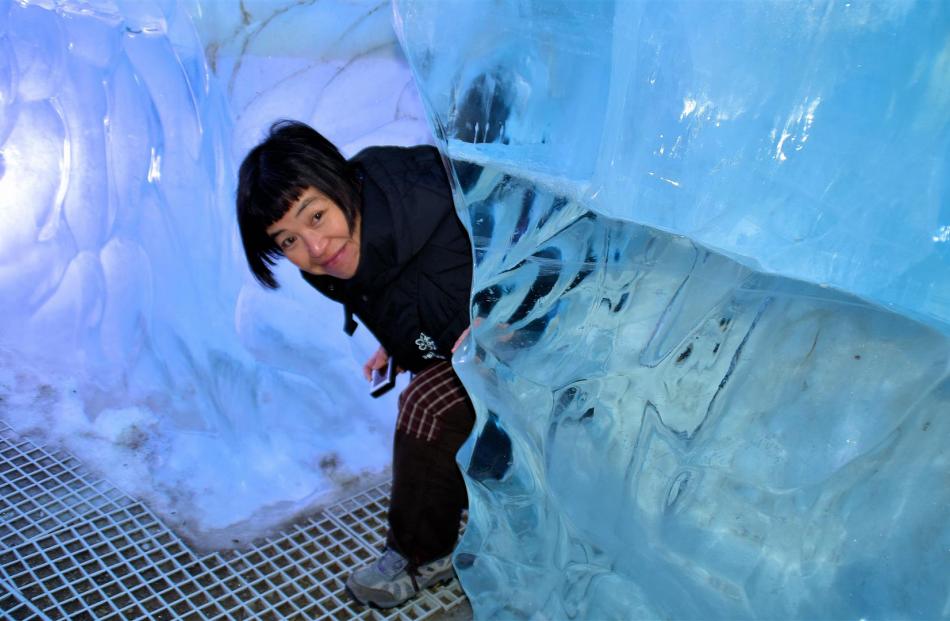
377	243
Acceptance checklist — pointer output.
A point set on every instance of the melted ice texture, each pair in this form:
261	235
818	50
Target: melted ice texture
132	332
710	359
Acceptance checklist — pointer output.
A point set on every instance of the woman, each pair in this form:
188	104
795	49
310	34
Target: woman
379	234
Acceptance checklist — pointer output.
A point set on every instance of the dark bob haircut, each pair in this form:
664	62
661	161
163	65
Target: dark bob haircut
292	158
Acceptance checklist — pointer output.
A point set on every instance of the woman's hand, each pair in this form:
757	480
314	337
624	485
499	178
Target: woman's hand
458	341
376	361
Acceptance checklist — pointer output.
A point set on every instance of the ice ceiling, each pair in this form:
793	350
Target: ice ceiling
712	245
711	363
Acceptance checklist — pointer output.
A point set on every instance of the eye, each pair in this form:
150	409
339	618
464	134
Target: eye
287	242
317	216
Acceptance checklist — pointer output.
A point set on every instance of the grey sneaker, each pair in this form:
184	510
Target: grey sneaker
385	582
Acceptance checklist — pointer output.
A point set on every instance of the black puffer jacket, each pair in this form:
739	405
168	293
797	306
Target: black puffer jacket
414	279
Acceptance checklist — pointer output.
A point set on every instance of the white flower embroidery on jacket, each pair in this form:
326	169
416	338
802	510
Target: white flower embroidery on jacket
427	346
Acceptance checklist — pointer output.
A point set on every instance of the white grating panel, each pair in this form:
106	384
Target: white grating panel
73	547
42	491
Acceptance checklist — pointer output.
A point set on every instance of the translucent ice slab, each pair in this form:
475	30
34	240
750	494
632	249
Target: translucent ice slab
693	225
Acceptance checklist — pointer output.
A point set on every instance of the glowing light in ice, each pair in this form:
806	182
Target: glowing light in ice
803	115
155	166
699	108
673	183
779	155
688	106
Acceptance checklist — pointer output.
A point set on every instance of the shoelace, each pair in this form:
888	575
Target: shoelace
391	563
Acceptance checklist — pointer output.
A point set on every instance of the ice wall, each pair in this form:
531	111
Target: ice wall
710	360
132	331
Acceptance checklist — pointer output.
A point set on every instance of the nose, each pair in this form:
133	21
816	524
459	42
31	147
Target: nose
316	244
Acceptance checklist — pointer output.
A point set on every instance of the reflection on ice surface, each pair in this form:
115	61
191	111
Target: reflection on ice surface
712	371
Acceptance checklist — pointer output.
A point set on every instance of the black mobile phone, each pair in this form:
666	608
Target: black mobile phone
383	379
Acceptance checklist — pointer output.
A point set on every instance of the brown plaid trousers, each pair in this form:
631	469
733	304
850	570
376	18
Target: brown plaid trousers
428	493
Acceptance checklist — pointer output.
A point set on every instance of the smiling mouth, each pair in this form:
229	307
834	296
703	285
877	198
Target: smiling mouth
335	258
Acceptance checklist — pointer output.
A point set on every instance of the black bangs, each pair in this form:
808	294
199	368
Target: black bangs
274	174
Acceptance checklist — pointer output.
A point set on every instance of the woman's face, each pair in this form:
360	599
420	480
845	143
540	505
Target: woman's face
315	236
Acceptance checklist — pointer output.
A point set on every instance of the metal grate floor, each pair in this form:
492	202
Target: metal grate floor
73	547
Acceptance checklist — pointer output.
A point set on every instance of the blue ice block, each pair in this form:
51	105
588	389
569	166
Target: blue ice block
710	359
